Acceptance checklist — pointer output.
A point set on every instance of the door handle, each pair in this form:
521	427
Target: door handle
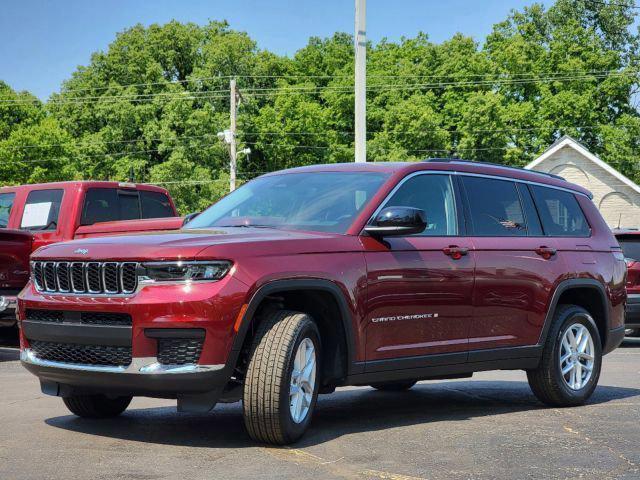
546	252
455	252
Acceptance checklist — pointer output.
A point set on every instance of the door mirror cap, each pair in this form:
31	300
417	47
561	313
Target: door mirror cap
394	221
189	217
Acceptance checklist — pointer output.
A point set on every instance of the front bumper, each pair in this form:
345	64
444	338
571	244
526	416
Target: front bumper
156	313
632	315
143	377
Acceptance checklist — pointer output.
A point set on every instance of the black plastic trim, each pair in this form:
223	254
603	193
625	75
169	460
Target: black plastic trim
181	333
77	334
568	285
276	286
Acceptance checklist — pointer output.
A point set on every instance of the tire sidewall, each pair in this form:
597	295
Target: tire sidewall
292	430
571	317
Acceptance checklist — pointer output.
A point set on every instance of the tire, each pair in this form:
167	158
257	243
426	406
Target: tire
267	388
96	406
547	382
394	386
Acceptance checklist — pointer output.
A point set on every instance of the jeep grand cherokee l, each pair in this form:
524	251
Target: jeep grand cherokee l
347	274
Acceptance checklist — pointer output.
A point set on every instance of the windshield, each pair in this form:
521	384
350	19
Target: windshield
630	246
6	202
318	201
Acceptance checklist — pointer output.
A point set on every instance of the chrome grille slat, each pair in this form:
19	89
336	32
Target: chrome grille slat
85	278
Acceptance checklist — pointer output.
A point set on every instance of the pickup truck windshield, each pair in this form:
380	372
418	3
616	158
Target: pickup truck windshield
318	201
6	202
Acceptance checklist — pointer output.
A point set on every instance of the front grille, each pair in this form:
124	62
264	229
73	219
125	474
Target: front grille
179	351
82	354
85	318
100	278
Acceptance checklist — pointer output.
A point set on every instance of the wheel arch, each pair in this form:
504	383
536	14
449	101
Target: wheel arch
310	294
580	291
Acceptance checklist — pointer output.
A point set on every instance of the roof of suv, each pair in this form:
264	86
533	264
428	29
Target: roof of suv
444	164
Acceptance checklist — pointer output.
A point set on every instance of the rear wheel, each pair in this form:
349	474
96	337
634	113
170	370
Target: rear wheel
281	384
571	360
394	386
96	406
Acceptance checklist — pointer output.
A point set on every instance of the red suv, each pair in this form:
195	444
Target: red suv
630	242
317	277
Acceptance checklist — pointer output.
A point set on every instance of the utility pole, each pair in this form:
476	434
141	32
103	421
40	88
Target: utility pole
361	82
232	139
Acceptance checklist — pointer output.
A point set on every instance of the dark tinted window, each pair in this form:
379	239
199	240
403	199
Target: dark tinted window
6	202
630	246
109	205
495	207
560	213
41	210
433	194
129	206
155	205
100	205
534	227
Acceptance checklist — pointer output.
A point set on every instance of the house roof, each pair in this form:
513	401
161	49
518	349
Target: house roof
567	141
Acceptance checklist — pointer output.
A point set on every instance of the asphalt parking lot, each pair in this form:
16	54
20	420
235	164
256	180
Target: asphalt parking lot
490	427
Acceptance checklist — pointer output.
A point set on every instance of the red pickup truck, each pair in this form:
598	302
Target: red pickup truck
32	216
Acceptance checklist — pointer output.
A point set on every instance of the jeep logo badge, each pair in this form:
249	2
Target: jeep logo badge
81	251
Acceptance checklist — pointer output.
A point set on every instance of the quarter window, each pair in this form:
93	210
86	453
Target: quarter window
560	213
41	210
495	207
434	195
6	202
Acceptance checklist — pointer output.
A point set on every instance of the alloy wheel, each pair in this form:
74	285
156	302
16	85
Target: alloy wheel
303	380
576	356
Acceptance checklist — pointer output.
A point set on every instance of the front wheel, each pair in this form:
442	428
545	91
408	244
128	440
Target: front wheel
96	406
571	360
281	384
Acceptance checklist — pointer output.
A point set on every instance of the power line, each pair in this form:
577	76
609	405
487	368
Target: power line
612	4
271	91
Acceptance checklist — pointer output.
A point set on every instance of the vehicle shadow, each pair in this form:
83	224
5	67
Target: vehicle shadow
342	413
9	354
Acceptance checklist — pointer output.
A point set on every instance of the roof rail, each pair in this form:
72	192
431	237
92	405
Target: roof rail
493	164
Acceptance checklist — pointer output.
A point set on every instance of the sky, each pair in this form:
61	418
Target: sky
43	41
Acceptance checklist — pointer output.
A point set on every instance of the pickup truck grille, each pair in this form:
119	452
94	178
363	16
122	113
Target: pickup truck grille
99	278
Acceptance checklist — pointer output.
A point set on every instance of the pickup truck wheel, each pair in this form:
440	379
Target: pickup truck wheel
571	360
281	384
394	386
96	406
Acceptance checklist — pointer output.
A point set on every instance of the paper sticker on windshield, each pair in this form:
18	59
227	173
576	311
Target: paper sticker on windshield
36	214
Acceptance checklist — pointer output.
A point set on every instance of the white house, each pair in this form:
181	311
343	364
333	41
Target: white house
617	197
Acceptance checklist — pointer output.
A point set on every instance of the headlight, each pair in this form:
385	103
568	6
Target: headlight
184	271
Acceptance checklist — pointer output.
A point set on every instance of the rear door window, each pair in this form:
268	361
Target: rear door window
6	203
495	207
109	205
560	212
41	210
155	205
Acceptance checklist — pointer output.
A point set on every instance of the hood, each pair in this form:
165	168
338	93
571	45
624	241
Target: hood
190	244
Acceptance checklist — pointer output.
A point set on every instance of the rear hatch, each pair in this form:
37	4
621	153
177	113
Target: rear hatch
15	248
630	244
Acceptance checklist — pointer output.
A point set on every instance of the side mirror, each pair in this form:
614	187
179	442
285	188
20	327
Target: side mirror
397	221
189	217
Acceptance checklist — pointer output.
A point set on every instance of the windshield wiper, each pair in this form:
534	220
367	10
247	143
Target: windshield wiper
253	225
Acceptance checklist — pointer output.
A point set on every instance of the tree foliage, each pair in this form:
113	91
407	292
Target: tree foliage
153	102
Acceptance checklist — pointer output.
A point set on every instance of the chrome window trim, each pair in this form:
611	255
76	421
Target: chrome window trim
462	174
